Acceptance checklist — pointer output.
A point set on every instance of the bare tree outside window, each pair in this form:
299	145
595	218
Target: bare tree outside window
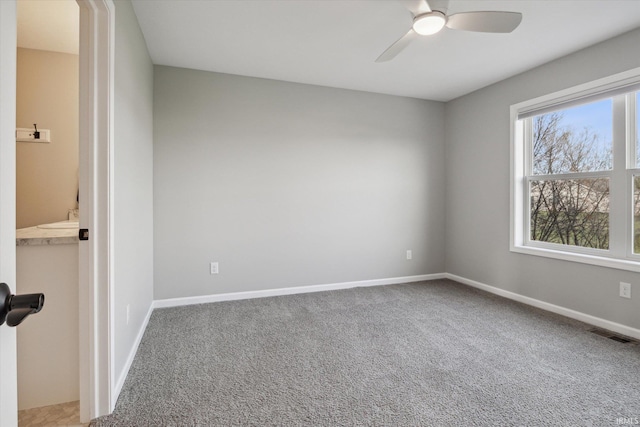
569	211
636	214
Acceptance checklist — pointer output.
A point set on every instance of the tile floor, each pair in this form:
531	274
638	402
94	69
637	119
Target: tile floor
64	414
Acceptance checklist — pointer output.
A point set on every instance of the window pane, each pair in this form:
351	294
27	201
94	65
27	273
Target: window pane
636	214
577	139
638	129
571	212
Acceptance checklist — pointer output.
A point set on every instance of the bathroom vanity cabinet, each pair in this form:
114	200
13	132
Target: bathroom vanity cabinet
47	262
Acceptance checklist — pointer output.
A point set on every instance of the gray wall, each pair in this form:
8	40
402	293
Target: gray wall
477	188
291	185
133	176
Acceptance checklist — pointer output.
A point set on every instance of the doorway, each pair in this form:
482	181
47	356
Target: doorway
47	96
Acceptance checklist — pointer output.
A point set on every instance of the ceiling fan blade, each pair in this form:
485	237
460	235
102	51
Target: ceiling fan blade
417	7
398	46
485	22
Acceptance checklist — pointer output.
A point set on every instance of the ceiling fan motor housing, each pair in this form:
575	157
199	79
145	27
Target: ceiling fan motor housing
429	23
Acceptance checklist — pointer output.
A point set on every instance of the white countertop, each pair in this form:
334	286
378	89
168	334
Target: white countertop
35	236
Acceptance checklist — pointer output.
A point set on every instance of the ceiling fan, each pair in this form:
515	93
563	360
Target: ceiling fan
428	21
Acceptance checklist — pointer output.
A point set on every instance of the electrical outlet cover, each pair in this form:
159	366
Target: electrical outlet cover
625	290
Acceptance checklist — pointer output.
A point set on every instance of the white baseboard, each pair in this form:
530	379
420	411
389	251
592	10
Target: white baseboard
132	354
577	315
204	299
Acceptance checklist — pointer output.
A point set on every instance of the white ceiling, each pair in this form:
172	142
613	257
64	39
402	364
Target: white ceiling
335	42
48	25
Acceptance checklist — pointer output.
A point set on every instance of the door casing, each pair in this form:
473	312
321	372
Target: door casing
97	50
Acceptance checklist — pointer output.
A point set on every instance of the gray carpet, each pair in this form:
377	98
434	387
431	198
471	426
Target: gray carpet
427	354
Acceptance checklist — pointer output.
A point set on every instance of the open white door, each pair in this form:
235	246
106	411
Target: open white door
8	376
8	360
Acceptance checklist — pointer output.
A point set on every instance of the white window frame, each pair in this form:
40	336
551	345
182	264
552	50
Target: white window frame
620	253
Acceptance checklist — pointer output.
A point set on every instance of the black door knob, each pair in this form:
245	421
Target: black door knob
15	308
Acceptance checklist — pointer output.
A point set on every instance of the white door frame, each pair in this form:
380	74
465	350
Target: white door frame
8	358
97	49
97	36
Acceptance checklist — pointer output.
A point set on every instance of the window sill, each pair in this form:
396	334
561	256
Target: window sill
601	261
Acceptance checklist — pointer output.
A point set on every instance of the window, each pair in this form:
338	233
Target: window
636	178
576	174
569	175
